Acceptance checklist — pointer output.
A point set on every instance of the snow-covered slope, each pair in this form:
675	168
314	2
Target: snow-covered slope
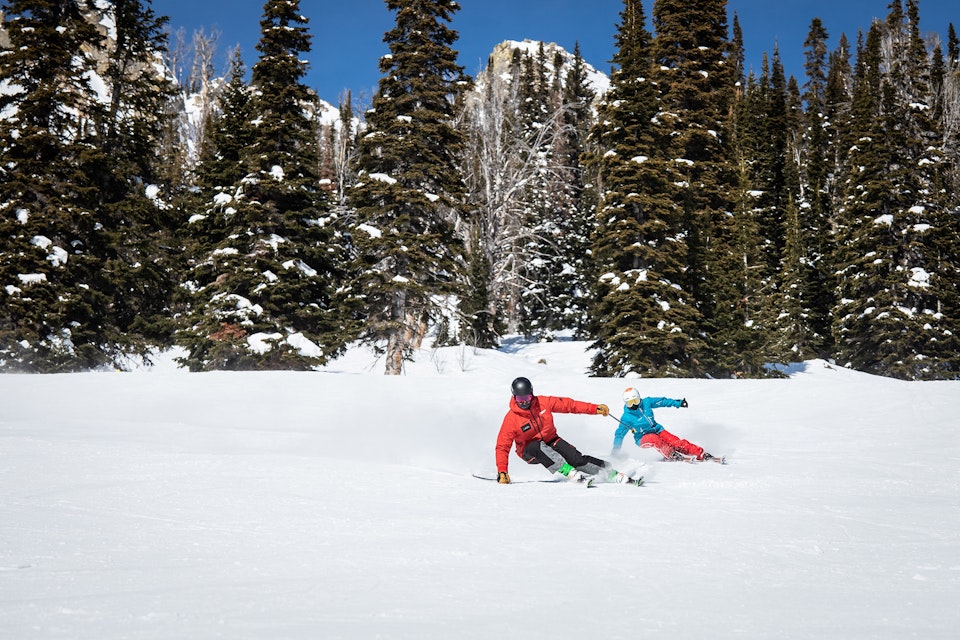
339	504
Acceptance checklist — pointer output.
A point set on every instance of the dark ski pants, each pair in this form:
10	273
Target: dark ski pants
558	452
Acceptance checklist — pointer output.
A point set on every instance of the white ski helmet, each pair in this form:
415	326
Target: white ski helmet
631	397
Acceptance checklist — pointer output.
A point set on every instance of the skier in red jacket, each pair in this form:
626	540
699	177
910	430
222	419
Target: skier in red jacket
529	424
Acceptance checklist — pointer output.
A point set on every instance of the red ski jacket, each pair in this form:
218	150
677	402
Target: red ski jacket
522	426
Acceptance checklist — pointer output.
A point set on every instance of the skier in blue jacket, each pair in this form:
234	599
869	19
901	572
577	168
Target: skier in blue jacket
648	433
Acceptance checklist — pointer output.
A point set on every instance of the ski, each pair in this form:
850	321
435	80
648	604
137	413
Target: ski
680	457
588	482
622	478
494	479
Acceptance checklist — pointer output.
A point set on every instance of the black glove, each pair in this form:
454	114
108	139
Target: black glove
683	403
503	477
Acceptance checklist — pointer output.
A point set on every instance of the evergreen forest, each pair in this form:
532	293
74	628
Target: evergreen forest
686	215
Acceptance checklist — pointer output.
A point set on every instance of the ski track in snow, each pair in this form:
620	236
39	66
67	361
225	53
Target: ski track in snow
340	504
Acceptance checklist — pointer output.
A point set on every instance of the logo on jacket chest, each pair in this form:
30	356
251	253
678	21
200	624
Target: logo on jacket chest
525	428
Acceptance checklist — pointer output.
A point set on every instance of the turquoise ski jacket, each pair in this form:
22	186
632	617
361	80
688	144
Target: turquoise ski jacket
640	420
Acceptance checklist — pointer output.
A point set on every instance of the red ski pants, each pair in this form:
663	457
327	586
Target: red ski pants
666	443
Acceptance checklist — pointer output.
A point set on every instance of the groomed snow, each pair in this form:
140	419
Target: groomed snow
340	504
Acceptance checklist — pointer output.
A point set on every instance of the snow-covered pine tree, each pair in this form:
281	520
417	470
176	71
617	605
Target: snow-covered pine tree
539	112
759	110
554	293
696	87
410	184
46	304
774	171
207	208
79	269
644	318
266	292
931	229
895	264
760	147
857	235
793	338
138	265
229	133
479	324
837	105
815	215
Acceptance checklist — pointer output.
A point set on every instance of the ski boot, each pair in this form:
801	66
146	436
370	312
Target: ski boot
572	474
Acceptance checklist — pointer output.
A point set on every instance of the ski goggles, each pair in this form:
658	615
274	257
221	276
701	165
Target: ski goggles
633	402
524	400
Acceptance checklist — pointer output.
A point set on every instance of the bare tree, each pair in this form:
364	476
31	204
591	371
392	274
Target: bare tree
950	101
344	148
192	66
503	159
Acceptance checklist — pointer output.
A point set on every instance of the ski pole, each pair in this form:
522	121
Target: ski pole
621	422
630	428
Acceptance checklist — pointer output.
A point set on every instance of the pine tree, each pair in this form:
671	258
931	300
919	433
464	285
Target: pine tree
800	331
572	279
927	268
738	56
837	126
760	142
43	193
895	265
480	327
410	184
692	129
79	264
137	264
795	339
553	299
645	319
209	208
229	133
953	45
267	274
765	129
858	237
815	212
537	119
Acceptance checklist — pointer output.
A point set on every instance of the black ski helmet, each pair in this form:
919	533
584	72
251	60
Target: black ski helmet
521	387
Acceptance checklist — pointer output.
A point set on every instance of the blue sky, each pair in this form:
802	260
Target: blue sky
348	34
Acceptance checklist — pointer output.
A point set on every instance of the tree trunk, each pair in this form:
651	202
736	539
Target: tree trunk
396	338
